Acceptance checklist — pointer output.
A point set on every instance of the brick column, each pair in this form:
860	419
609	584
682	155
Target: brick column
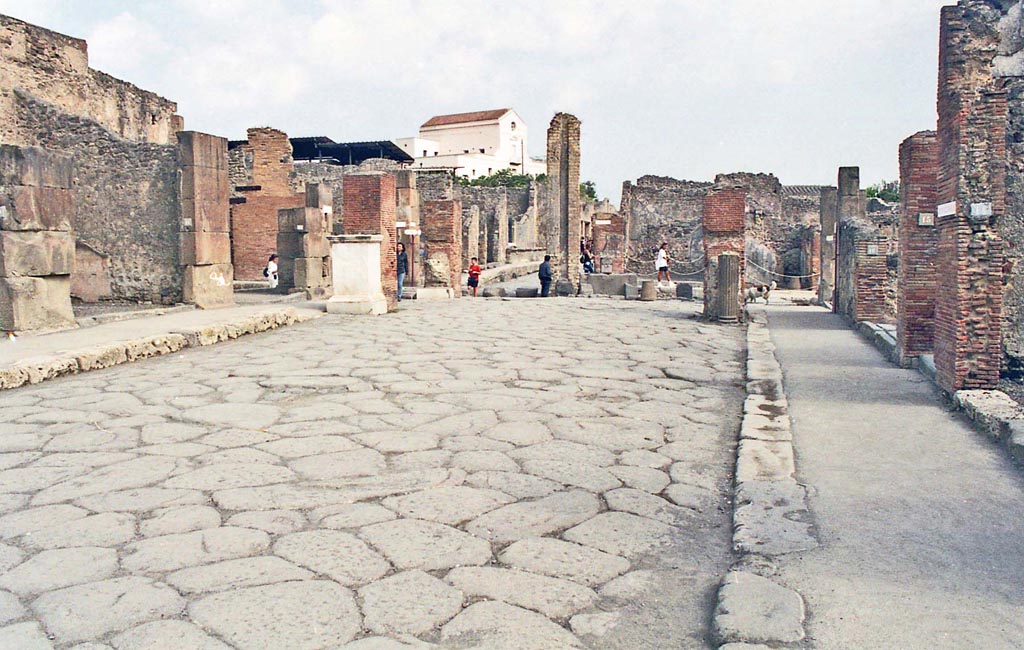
205	214
442	237
724	225
407	222
971	197
915	303
827	263
562	221
37	247
610	243
370	203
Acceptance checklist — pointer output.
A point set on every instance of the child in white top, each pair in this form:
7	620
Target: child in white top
271	271
661	263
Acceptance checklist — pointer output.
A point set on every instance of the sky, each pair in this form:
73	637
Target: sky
682	88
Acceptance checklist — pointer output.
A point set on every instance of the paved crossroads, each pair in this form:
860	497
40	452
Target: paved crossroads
486	474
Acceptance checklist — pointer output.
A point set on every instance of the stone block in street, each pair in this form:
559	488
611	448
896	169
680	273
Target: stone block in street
209	286
559	559
527	292
772	518
411	602
564	288
753	609
499	625
760	460
28	304
414	544
556	598
535	518
341	556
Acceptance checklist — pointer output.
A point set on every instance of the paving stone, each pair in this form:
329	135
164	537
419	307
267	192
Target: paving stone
9	556
237	438
158	634
24	636
230	475
688	496
647	505
244	455
412	602
588	477
641	478
309	446
360	462
522	486
232	574
620	533
179	519
520	433
398	442
772	518
307	615
496	625
447	505
92	610
753	609
168	432
133	473
631	586
12	502
759	460
535	518
105	529
283	497
171	552
479	461
343	557
552	597
565	451
421	459
140	500
594	623
559	559
415	544
31	479
18	523
275	522
241	415
10	608
474	443
383	643
644	458
57	568
354	515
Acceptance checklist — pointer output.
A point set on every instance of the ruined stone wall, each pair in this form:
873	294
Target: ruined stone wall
799	241
470	233
54	68
862	272
442	238
435	185
662	209
127	203
493	204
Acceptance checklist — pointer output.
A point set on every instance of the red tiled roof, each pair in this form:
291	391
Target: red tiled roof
460	118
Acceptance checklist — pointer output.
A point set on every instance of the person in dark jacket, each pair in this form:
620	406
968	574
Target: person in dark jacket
545	277
403	267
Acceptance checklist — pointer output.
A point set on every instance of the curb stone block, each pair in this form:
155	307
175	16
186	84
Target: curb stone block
761	460
771	518
753	609
1015	440
992	410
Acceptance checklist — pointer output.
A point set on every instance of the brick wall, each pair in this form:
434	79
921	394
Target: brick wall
442	238
369	209
610	243
724	226
915	306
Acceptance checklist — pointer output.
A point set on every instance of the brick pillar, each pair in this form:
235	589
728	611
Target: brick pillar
827	259
205	236
470	232
915	302
610	243
370	210
442	237
562	221
407	222
37	247
724	225
971	197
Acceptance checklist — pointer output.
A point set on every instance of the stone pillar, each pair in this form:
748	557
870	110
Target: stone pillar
355	275
610	232
971	198
304	263
729	287
827	283
470	232
407	222
724	225
442	237
850	206
205	215
561	219
915	302
370	210
37	247
497	230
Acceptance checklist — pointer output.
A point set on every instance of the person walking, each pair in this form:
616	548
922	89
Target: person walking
546	275
587	259
661	263
403	267
270	272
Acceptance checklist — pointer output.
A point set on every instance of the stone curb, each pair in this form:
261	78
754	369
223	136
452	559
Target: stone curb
770	513
39	369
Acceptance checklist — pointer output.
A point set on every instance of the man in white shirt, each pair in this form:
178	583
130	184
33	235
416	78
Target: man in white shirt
661	263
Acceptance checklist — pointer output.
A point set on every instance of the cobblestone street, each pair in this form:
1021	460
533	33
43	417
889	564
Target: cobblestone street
474	474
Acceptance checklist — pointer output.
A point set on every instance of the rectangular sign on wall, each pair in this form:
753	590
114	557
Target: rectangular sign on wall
947	209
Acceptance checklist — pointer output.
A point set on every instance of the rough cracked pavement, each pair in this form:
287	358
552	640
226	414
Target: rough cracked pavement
475	474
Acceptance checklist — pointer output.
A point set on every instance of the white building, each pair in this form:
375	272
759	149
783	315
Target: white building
474	144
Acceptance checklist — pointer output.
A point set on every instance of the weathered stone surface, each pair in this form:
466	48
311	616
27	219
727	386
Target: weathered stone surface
631	586
28	303
308	446
171	552
93	610
535	518
759	460
772	518
414	544
10	608
63	567
620	533
297	615
24	636
209	286
105	529
412	602
501	626
520	433
140	499
588	477
594	623
642	478
342	556
753	609
355	515
275	522
37	253
447	505
360	462
553	597
37	208
522	486
158	634
244	416
688	496
221	476
24	521
179	519
119	476
560	559
232	574
285	497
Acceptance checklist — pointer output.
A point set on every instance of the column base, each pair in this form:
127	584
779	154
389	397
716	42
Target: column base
374	305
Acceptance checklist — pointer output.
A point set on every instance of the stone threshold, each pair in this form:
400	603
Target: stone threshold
69	352
992	412
771	517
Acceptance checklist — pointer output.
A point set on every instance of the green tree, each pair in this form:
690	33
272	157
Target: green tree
588	190
888	191
500	178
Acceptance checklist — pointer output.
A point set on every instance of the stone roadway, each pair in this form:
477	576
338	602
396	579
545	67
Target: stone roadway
482	473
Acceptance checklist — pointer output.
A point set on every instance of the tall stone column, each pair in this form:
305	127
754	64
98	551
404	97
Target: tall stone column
827	283
851	205
915	302
205	220
724	225
561	221
37	247
442	237
370	205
